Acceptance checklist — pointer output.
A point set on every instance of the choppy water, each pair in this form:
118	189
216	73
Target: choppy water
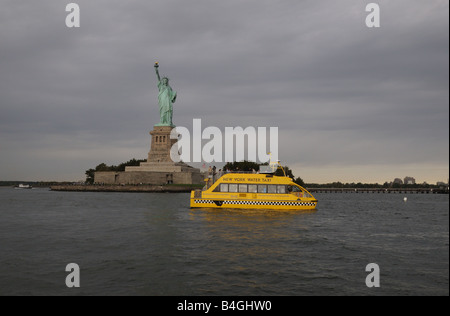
153	244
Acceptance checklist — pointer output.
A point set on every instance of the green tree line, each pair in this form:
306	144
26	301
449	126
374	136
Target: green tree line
253	166
104	167
250	166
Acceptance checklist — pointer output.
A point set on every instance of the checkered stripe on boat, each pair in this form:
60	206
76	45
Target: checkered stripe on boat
259	202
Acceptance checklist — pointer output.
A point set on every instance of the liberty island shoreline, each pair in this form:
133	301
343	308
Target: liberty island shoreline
144	188
188	188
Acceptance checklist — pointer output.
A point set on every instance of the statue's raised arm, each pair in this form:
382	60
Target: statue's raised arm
157	72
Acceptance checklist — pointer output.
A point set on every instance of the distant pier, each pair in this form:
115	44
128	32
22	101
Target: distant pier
188	188
380	190
125	188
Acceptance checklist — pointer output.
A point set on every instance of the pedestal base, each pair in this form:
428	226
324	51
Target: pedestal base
159	168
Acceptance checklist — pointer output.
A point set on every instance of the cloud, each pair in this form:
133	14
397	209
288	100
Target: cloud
341	94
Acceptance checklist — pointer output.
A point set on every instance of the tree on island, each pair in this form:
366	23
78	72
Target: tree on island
244	165
250	166
104	167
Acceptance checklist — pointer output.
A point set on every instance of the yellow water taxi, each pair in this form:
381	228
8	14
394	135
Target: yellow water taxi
261	190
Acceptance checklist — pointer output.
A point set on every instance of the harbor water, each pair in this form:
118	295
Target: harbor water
154	244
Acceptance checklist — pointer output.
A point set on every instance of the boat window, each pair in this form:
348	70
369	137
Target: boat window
281	189
243	188
262	188
232	187
272	188
224	187
293	189
252	188
306	194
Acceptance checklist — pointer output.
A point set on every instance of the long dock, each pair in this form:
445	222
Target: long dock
380	190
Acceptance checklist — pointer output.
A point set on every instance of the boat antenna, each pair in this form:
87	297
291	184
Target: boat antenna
275	163
281	167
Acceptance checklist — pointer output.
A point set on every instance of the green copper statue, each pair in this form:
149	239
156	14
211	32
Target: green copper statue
166	97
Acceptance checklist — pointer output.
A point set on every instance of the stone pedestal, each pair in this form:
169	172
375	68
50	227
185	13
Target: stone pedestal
161	144
159	168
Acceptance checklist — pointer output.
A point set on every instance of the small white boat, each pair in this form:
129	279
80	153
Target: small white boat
24	186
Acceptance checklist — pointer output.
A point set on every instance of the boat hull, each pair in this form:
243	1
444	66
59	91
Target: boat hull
253	204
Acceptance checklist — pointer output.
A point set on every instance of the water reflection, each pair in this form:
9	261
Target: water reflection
250	212
255	224
245	250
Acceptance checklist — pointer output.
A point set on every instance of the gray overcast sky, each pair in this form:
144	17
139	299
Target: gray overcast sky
352	103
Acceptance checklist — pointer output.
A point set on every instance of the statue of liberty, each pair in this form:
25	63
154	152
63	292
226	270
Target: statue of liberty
166	97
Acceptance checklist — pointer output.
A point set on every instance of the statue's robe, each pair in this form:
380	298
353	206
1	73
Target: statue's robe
166	97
